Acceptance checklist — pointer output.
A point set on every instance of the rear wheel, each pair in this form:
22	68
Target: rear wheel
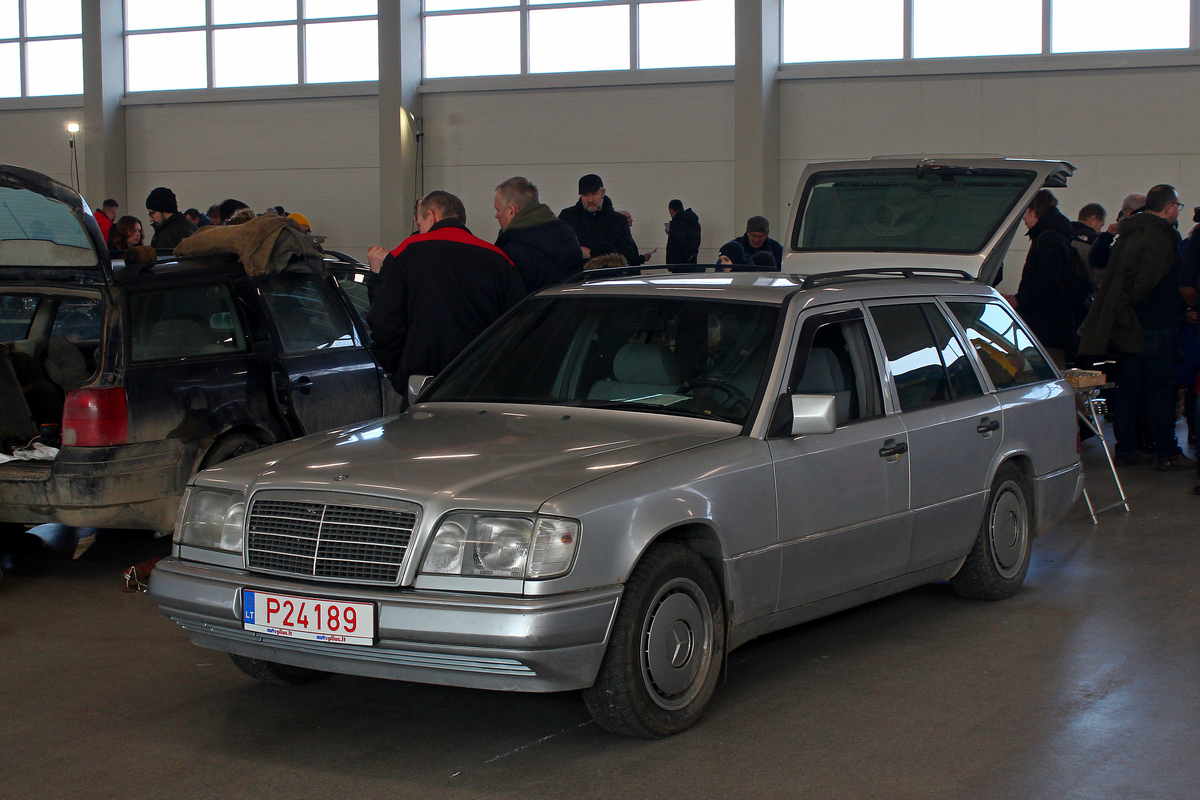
229	446
277	674
996	566
665	652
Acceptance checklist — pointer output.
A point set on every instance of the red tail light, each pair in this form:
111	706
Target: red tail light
95	418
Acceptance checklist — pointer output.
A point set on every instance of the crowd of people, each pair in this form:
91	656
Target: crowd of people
1122	299
442	286
169	226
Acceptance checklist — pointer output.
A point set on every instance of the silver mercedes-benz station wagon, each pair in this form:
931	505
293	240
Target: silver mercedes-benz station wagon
632	474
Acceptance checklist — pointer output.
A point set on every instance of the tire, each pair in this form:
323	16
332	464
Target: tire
229	446
996	565
277	674
673	605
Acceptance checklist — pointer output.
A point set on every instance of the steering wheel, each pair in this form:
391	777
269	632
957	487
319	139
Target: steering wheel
735	400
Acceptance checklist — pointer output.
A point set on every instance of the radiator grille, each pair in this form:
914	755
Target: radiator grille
328	541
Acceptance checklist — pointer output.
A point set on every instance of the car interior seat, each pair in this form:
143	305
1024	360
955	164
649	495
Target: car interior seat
640	370
823	375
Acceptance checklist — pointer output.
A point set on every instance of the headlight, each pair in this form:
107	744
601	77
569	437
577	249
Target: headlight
211	518
496	545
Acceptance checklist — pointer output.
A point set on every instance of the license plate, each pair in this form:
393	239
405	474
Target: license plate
312	618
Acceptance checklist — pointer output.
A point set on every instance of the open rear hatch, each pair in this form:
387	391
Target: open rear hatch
942	212
47	232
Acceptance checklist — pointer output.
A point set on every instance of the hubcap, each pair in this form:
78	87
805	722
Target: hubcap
1009	530
676	650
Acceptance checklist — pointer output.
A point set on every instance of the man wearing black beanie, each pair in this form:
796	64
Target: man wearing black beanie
170	227
596	222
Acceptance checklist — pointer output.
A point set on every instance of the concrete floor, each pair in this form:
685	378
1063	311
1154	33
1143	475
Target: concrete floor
1082	686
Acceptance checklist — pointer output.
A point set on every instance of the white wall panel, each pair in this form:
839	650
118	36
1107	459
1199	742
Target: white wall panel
649	143
38	140
316	156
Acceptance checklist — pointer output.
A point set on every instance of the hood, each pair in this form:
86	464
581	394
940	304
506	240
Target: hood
955	213
471	455
687	217
47	231
531	215
1136	222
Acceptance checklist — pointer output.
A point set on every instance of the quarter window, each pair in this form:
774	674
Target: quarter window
1006	351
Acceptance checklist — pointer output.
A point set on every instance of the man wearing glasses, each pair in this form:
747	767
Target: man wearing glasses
1136	316
170	227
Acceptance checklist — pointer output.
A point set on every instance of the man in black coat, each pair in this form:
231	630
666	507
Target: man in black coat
757	238
596	222
542	246
1052	296
437	291
683	234
170	227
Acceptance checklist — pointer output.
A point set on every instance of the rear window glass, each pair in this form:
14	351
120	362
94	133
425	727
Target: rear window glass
932	211
36	231
16	315
1006	351
185	322
80	319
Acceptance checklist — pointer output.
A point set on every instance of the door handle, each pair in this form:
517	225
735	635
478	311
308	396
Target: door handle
891	448
303	384
987	426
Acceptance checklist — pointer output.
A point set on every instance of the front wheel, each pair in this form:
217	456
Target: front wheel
665	652
996	566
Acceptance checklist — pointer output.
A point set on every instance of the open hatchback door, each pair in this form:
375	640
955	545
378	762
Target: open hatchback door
47	232
940	212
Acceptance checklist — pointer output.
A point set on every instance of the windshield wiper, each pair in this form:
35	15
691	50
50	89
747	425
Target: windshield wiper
652	407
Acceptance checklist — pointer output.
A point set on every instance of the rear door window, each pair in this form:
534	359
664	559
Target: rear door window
185	322
1006	351
926	360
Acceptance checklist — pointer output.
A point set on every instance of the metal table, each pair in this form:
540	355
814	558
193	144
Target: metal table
1087	413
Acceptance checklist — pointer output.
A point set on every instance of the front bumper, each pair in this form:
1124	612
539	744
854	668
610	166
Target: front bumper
124	486
528	644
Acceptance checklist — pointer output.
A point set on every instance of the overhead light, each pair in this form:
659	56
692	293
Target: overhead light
72	127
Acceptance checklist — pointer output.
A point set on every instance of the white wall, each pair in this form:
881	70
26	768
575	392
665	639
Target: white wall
1124	129
319	157
38	140
650	144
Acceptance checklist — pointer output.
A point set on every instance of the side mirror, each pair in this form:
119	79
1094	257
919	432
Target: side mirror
813	413
416	385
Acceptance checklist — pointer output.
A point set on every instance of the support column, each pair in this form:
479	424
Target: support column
756	115
400	158
103	135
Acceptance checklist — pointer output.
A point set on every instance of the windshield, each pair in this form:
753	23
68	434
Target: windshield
947	210
36	231
692	357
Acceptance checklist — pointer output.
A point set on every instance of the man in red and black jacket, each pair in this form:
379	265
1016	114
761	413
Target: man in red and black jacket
438	290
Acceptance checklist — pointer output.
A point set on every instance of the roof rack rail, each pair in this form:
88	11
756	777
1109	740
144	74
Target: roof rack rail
820	279
625	272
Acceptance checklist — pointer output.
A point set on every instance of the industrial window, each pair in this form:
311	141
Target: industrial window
41	48
872	30
202	44
467	38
